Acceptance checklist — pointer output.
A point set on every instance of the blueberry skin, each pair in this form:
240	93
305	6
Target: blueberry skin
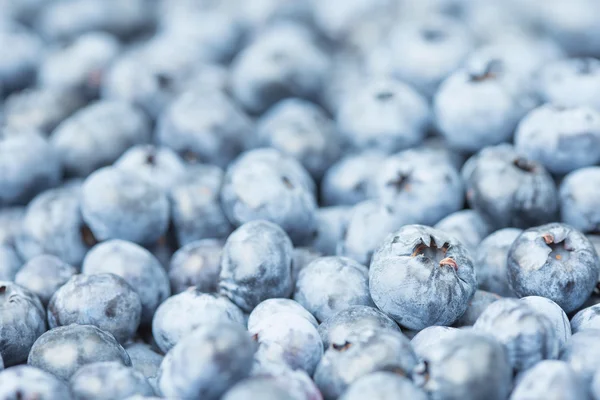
297	382
481	106
182	313
196	210
64	350
264	388
480	301
578	199
196	264
352	179
549	376
22	321
419	284
301	258
256	264
53	225
302	130
117	204
526	197
215	137
562	139
43	275
570	82
22	176
383	385
468	226
10	262
193	368
554	261
103	300
281	192
27	382
98	134
331	224
427	339
485	370
555	314
490	261
287	338
266	309
528	335
586	319
385	115
351	321
367	352
108	380
157	165
11	220
22	54
137	266
330	284
582	353
595	390
144	359
281	62
422	189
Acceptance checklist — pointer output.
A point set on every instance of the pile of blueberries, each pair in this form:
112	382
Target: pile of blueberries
299	199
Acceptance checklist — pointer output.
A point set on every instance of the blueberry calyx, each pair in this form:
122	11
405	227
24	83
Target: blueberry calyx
88	236
401	182
341	347
491	71
524	165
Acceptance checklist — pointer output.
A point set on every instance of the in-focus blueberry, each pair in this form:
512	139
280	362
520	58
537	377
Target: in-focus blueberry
25	382
43	275
490	258
196	264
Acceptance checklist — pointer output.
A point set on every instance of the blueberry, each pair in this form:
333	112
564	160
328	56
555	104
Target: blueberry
256	264
196	264
144	360
117	204
193	368
302	130
554	261
526	196
562	139
427	340
137	266
288	338
108	380
549	376
21	57
280	62
214	136
10	262
529	336
297	382
266	309
466	365
570	82
586	319
595	386
480	301
23	175
25	382
331	224
11	220
266	184
104	300
582	353
330	284
555	314
301	258
351	180
259	388
578	199
266	12
22	321
420	277
384	115
43	275
98	134
425	189
182	313
480	106
383	385
53	225
353	320
468	226
364	353
490	261
64	350
196	210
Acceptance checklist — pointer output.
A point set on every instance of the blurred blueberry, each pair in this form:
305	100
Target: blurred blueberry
428	338
193	368
144	359
353	320
25	382
117	204
480	301
555	314
420	277
264	388
588	318
22	53
196	264
10	262
529	336
180	314
296	382
330	284
579	198
332	222
383	385
108	380
549	376
11	220
468	226
554	261
98	134
490	261
301	258
570	82
561	139
510	190
64	350
582	353
266	309
266	12
43	275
